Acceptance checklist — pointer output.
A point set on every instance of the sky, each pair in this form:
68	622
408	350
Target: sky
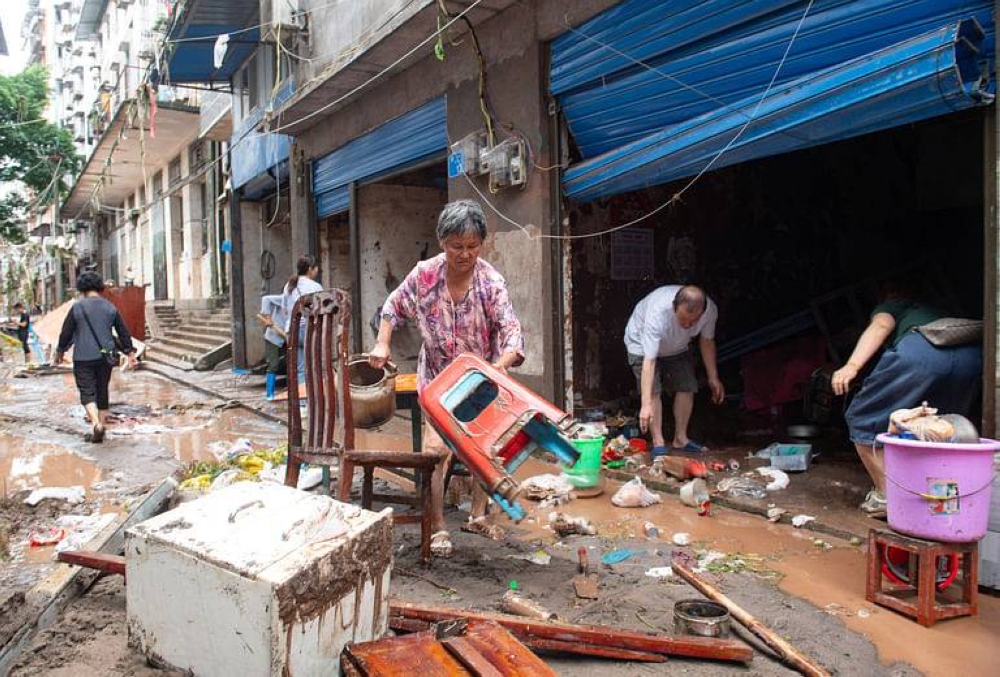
13	14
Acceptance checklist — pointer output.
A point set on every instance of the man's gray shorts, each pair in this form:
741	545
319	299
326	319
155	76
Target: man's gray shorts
674	374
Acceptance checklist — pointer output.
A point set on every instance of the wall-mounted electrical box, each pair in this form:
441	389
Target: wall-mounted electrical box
507	164
465	155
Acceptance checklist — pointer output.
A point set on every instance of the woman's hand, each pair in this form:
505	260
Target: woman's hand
133	363
379	355
842	378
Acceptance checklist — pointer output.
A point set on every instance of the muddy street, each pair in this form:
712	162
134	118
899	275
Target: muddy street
807	586
156	427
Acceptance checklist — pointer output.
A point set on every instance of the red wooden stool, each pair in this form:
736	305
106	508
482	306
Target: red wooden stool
918	592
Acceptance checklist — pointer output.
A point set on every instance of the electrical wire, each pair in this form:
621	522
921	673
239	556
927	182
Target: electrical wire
677	196
216	36
377	76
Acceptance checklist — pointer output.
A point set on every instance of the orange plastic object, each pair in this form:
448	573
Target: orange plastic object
493	423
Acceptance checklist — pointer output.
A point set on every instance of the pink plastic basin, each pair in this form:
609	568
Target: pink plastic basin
940	492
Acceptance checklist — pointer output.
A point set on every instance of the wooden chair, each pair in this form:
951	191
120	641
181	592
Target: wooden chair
329	438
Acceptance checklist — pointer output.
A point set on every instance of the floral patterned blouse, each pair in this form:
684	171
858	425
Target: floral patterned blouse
482	323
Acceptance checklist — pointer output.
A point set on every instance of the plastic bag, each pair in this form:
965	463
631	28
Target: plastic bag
634	494
779	478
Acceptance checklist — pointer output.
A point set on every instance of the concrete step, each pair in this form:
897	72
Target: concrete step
188	346
210	324
211	335
169	358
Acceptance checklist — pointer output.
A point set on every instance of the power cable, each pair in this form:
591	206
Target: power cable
677	196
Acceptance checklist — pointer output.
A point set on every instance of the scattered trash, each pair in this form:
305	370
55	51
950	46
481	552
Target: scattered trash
82	529
537	557
802	520
71	495
681	539
564	525
864	613
680	467
774	514
634	464
660	572
779	478
633	494
615	449
546	486
741	486
651	530
46	536
856	541
694	493
734	465
584	585
616	556
480	527
717	466
705	509
513	603
223	451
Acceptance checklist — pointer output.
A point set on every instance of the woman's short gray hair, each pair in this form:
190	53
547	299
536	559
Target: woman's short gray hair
461	217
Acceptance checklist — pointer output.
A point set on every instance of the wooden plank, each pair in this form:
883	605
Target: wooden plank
109	564
525	629
400	624
477	664
68	583
785	651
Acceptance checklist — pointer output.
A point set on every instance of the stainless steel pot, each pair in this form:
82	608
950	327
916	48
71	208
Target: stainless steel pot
373	391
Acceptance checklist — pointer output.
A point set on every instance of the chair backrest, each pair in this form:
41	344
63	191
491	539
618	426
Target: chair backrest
326	317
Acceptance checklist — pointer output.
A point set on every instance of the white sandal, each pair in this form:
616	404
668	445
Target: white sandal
441	544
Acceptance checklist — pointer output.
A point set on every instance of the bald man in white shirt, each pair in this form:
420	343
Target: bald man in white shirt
657	339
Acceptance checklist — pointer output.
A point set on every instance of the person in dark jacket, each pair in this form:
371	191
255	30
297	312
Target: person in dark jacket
23	328
88	328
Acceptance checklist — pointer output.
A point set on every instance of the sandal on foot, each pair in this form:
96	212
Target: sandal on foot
478	525
441	544
692	447
657	451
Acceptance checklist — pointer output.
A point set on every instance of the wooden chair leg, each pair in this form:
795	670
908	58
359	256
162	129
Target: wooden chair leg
426	515
366	487
345	481
292	467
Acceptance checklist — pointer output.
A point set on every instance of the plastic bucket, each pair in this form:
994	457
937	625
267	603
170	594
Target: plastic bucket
938	491
586	473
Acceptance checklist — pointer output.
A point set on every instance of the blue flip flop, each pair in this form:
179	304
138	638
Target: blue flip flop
691	447
658	451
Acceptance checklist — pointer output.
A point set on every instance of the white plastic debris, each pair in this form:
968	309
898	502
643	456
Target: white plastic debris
774	514
634	494
81	529
545	486
72	495
681	538
537	557
779	478
565	525
223	451
660	572
802	520
864	613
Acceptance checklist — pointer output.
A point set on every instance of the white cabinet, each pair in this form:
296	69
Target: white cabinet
258	579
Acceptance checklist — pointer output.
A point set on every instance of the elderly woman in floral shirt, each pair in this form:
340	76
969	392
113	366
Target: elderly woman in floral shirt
460	305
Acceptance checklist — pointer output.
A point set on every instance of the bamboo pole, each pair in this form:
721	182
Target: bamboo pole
785	651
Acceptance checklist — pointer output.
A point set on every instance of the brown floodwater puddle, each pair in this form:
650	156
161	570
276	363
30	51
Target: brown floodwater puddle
25	464
831	578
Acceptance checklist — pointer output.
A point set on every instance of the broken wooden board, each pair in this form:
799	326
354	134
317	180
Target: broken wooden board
525	630
478	648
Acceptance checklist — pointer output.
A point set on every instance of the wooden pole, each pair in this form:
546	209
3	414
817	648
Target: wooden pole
785	651
526	630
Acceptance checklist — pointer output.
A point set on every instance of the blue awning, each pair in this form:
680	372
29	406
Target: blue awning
191	39
925	76
408	140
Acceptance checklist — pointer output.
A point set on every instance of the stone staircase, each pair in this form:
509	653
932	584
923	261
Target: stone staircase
191	339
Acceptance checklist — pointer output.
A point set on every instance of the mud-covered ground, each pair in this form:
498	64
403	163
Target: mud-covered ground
811	592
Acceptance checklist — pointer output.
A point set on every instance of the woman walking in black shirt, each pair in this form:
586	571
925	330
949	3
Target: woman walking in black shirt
88	329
